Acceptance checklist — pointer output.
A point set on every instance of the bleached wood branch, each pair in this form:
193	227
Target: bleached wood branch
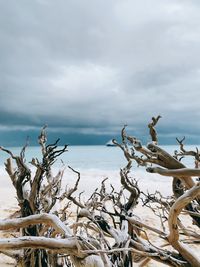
173	236
69	192
152	129
48	219
67	245
184	172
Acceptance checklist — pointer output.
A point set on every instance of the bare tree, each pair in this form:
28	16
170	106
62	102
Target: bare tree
104	229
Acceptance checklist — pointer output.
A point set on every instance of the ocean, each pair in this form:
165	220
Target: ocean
89	157
96	163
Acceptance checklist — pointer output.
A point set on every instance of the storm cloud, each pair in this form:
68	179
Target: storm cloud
88	67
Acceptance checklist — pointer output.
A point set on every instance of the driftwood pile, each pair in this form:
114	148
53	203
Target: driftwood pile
103	230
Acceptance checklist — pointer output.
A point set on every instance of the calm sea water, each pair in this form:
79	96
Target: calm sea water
89	157
94	163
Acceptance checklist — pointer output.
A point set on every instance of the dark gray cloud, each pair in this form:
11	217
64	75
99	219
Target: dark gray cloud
90	66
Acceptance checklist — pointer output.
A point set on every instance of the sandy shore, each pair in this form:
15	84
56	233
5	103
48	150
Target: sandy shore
8	202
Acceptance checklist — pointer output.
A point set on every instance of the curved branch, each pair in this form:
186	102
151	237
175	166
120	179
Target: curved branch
44	218
184	172
173	236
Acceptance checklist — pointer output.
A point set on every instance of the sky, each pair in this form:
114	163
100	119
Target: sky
86	68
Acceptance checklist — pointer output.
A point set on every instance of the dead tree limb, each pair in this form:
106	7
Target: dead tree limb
173	237
152	129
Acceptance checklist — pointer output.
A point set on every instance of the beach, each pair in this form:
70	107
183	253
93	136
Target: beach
91	178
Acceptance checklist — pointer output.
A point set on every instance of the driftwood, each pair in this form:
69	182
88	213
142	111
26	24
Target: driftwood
104	230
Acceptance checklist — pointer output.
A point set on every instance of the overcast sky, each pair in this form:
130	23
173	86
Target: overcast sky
88	67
